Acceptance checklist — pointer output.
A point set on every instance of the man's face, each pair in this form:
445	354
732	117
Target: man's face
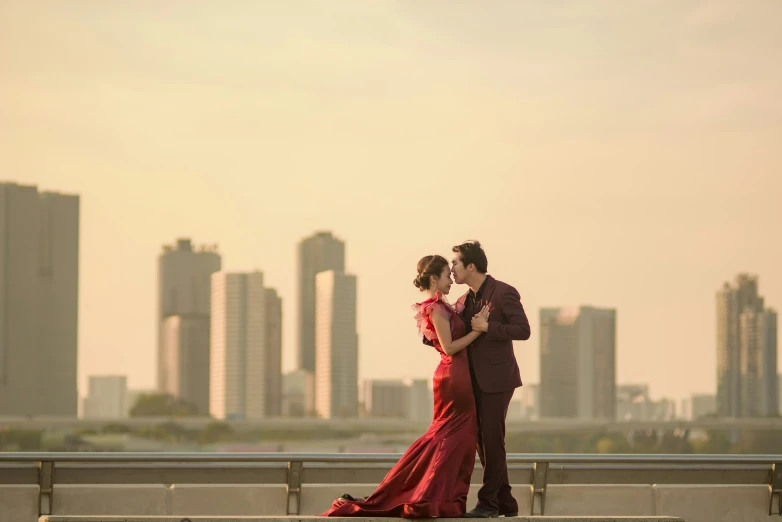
457	269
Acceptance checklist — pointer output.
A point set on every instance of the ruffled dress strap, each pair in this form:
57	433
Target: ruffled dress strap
423	315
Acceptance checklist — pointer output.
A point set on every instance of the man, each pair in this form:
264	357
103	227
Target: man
493	368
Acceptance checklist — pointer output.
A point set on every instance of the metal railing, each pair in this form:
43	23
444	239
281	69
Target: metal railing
296	469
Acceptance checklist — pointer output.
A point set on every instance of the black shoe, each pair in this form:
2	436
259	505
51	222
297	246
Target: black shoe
509	514
350	498
479	512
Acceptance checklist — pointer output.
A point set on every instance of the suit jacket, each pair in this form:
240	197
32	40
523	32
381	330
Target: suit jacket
491	355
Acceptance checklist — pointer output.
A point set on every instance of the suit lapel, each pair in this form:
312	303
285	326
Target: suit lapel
489	290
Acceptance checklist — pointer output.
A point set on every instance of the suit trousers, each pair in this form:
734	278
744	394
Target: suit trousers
492	408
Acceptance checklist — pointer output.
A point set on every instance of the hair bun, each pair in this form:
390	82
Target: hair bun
429	267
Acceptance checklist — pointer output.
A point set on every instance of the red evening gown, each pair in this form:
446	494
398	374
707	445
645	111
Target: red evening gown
432	478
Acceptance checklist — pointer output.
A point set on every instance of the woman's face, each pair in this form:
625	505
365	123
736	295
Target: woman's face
444	281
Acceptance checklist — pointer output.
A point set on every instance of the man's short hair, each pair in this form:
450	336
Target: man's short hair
472	253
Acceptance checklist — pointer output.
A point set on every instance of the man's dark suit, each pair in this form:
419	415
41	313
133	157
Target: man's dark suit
495	375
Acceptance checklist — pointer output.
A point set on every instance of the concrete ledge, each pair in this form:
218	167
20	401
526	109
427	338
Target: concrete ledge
18	503
715	503
60	518
222	500
120	500
599	500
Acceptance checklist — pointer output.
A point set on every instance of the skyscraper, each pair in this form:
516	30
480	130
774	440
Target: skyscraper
273	363
779	392
727	353
336	341
185	345
770	380
746	351
578	362
39	298
317	253
183	290
240	372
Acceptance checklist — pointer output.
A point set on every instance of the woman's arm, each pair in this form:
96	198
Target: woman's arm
442	325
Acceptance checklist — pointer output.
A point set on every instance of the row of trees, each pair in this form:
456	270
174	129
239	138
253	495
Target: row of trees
162	405
646	442
650	442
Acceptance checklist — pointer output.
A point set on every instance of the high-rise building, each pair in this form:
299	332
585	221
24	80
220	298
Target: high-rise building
746	351
770	382
317	253
752	363
273	363
239	372
336	341
184	273
39	298
779	392
728	393
386	398
298	394
578	362
107	397
185	345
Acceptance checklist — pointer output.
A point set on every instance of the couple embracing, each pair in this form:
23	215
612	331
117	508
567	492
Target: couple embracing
473	385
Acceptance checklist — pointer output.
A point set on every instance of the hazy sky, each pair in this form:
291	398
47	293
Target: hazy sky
619	154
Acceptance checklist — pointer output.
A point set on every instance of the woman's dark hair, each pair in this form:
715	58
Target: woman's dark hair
471	252
429	266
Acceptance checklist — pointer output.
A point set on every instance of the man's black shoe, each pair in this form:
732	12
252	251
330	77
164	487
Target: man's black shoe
479	512
510	514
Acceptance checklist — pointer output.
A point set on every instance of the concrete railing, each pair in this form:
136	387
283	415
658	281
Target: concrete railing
705	487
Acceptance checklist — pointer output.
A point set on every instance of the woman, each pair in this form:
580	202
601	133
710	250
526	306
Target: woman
432	478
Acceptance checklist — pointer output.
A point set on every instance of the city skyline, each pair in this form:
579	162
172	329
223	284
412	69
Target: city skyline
642	189
272	299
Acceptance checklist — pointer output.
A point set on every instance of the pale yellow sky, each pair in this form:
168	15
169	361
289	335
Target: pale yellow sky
619	154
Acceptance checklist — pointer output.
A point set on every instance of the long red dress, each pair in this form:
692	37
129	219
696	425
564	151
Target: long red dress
432	478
